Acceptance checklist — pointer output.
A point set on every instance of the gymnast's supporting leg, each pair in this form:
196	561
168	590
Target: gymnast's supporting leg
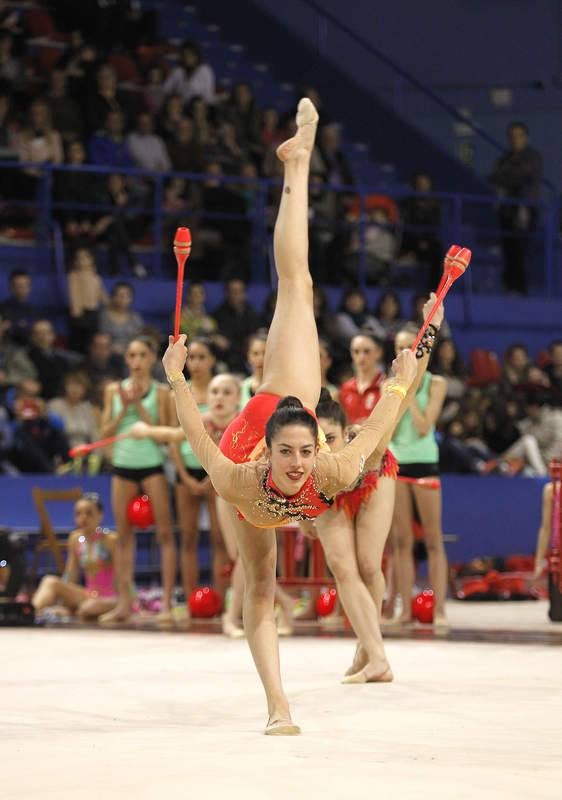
258	549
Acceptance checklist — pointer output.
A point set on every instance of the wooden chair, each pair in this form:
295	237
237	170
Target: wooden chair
47	540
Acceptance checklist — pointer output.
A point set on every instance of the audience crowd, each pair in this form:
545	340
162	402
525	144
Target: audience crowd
504	418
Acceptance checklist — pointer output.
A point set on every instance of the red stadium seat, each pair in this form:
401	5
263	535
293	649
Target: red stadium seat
125	68
485	368
39	24
543	359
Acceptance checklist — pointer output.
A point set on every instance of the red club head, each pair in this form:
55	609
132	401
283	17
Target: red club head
456	261
78	451
182	242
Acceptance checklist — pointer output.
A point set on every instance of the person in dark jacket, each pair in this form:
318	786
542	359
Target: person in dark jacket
517	175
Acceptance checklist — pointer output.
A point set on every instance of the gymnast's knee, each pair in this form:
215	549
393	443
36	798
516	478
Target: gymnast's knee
370	572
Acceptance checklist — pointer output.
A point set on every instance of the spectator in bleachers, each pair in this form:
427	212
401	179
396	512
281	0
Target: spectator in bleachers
222	239
153	92
118	320
169	118
517	175
195	321
15	365
51	363
500	424
205	128
271	134
74	186
147	148
448	363
541	438
38	143
119	227
16	309
101	366
192	77
329	160
378	238
388	313
38	445
321	215
242	112
421	216
8	135
11	70
226	151
79	417
553	372
65	111
185	151
236	319
519	372
86	295
105	99
81	63
354	316
108	147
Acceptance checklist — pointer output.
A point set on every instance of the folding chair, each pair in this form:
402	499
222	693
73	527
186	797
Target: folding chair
47	540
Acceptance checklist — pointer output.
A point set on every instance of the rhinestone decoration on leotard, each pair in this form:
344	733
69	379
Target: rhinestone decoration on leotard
307	504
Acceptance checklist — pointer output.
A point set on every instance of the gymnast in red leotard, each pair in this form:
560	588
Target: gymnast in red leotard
292	477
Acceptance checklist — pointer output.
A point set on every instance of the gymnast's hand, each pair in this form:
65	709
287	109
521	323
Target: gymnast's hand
439	314
175	356
139	430
404	367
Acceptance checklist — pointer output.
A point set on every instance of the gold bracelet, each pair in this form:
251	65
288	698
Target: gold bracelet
395	388
175	377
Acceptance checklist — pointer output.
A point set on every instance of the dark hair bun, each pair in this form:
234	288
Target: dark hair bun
325	396
289	402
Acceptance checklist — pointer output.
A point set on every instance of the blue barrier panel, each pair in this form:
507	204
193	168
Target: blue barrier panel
489	516
16	505
492	516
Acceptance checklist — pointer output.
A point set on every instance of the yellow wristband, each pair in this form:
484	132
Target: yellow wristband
175	377
395	388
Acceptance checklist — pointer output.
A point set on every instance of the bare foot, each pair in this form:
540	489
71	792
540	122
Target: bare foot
230	629
281	726
372	673
441	622
302	143
120	613
284	622
164	618
360	660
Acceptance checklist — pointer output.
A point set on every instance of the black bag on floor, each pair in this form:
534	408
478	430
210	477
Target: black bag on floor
555	597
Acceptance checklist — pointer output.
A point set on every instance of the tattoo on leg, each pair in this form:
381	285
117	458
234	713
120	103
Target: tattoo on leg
287	190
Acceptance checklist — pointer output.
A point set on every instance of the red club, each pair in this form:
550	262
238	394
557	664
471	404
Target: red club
182	249
455	264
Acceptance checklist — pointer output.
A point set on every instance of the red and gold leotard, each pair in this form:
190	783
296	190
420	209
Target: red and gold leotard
247	484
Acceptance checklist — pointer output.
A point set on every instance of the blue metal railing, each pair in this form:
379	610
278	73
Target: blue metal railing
468	219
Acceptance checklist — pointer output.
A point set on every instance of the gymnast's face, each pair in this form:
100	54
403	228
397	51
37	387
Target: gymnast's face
200	361
87	516
333	432
365	353
223	396
139	359
292	455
